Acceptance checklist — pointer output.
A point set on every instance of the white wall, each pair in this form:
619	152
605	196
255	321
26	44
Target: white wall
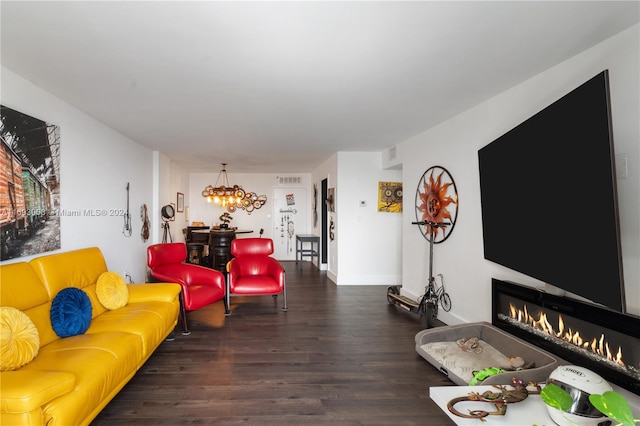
260	183
454	145
96	164
370	241
169	180
329	171
367	247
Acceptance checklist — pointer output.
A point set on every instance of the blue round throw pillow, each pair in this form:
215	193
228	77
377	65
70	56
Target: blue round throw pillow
70	312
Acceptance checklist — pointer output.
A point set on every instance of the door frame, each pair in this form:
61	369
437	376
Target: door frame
323	208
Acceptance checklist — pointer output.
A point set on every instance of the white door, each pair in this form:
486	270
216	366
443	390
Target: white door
290	218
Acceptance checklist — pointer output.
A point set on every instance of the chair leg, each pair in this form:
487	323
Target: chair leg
227	311
227	297
284	297
183	314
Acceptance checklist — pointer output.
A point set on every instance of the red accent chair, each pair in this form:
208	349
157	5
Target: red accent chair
200	286
252	271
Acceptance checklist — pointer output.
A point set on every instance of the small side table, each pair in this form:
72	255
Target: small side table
313	249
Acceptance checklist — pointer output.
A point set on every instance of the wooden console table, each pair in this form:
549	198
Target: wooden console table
312	251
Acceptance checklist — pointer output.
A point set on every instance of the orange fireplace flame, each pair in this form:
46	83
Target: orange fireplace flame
598	346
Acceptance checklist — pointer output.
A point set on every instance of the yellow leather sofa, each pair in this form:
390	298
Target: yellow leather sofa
71	379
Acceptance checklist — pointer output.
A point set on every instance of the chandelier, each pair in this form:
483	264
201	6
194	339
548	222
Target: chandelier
232	197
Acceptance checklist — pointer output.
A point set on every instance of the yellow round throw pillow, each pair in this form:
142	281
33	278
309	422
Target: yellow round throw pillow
19	339
112	291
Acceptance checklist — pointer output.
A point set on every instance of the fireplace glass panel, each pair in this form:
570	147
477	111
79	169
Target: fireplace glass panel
602	340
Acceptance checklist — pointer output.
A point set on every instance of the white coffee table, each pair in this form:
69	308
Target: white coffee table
531	411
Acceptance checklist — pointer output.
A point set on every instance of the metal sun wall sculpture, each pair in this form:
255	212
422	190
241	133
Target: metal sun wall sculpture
437	202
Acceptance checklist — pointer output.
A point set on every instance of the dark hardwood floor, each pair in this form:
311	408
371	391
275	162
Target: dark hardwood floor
341	355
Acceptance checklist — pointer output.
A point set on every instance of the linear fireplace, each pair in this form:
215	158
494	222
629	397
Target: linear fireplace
602	340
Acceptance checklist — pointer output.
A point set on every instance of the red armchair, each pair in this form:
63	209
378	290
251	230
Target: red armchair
200	286
253	271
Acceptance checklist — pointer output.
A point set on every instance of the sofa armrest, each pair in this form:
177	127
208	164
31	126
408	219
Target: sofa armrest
153	292
22	391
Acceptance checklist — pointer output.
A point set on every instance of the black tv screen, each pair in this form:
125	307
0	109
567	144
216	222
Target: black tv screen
549	199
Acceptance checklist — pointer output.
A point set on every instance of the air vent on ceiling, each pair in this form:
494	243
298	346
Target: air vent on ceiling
289	180
392	153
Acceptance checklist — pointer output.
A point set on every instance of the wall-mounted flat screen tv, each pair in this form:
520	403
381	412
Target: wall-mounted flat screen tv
549	198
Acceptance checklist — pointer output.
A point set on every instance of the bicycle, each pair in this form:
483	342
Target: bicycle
433	296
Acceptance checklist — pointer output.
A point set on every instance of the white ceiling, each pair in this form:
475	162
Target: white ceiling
281	86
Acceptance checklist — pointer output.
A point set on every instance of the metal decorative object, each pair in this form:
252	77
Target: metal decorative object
504	396
315	205
436	203
232	197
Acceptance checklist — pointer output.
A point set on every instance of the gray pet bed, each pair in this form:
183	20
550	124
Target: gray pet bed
440	348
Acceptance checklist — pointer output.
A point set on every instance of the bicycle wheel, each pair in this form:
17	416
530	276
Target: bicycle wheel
445	301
